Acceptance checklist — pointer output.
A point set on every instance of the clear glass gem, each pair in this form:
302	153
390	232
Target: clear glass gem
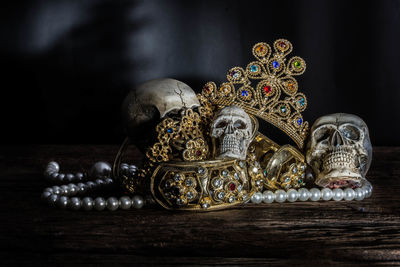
236	176
217	182
201	170
239	188
255	169
177	177
287	179
294	170
258	182
190	195
221	195
189	182
241	164
231	199
180	202
225	173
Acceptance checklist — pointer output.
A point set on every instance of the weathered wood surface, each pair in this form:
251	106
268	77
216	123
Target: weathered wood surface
366	232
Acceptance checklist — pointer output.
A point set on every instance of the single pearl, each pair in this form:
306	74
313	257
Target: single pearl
112	203
75	203
69	177
257	198
99	204
54	177
60	177
64	189
90	185
81	188
53	166
100	169
280	196
52	200
125	202
124	168
315	194
337	194
108	181
45	195
73	189
48	189
326	194
99	182
132	170
304	194
78	176
87	203
62	202
137	202
348	194
359	194
56	190
367	189
292	195
268	196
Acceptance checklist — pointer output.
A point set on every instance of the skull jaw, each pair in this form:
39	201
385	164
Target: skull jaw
340	178
232	155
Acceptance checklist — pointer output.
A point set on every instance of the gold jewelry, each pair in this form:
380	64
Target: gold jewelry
275	98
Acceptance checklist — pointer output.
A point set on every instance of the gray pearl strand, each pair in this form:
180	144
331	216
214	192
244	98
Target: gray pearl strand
64	196
313	194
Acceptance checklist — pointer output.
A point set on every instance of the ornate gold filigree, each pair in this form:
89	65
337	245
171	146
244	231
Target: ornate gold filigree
274	97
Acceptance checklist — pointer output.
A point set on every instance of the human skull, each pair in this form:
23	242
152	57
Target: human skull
146	104
339	150
232	127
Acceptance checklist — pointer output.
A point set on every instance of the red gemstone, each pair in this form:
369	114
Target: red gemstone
198	153
232	186
267	89
207	88
282	44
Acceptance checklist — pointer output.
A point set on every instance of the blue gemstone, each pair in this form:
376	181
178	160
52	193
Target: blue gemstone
245	93
299	121
170	130
302	101
275	64
254	68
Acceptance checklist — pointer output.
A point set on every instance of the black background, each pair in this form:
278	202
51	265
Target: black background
67	65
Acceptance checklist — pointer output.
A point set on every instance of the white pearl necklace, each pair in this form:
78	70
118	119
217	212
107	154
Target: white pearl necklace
64	196
314	194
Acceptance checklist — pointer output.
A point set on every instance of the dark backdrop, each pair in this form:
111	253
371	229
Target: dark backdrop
67	65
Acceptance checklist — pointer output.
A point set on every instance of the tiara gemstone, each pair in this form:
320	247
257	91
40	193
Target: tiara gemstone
302	101
235	74
170	130
254	68
283	109
275	64
267	89
261	50
299	121
282	45
297	64
245	93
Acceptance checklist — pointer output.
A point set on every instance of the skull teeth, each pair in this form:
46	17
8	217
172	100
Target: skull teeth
339	158
230	144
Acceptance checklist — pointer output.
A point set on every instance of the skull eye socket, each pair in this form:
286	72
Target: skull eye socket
322	134
239	124
221	124
350	132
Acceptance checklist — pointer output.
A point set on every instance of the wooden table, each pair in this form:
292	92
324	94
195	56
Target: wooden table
304	233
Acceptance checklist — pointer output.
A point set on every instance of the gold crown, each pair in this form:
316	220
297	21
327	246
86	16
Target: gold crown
275	98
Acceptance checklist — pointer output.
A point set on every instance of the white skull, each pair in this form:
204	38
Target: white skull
232	127
339	150
146	104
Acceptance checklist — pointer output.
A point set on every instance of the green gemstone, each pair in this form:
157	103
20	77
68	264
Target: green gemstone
283	109
300	181
297	64
265	173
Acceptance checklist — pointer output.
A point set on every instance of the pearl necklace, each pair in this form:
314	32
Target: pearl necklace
314	194
64	196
